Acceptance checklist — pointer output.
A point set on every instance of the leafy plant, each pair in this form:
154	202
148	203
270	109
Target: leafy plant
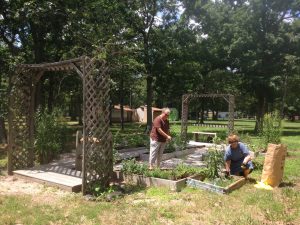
174	114
271	131
132	167
177	143
50	135
215	162
180	171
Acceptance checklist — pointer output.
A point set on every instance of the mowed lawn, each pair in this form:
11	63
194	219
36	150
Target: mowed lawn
248	205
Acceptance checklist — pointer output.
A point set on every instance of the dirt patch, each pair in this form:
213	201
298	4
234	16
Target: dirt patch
10	185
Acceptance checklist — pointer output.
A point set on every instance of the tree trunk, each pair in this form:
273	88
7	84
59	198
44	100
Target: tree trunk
3	135
202	111
50	94
149	103
260	112
122	103
283	96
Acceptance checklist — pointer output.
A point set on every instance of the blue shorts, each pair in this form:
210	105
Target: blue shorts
238	170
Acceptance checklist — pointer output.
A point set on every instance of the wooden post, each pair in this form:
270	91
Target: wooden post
231	113
184	116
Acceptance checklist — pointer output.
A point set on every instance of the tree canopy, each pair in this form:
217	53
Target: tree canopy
161	49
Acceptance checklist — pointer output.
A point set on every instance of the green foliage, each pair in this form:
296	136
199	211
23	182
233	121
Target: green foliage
215	162
176	143
50	135
251	144
174	115
132	167
130	140
271	132
179	172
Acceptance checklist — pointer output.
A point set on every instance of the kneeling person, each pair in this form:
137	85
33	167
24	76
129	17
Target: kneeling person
237	158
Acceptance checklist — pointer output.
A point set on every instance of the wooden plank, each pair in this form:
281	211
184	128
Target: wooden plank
65	182
197	133
237	184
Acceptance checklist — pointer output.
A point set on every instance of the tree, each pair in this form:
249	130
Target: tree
143	18
251	37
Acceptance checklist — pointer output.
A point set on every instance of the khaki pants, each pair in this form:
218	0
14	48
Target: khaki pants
156	152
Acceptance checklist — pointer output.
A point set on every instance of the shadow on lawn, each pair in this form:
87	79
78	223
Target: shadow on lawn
287	184
290	133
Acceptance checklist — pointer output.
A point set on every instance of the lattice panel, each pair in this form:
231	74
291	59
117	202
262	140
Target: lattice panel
20	155
185	105
98	159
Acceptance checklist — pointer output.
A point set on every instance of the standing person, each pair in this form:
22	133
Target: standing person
237	158
159	135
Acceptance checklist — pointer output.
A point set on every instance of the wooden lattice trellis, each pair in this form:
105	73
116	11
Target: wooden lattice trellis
97	139
185	109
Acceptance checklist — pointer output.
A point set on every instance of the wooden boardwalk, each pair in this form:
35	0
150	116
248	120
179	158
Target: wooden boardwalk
60	173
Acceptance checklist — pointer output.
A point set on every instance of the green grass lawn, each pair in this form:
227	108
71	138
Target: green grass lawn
247	205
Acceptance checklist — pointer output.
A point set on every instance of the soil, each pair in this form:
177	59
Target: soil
11	185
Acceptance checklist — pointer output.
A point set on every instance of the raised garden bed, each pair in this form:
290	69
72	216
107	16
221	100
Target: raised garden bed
200	183
137	173
176	154
141	180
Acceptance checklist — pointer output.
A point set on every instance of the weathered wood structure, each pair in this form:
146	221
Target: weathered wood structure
97	163
185	110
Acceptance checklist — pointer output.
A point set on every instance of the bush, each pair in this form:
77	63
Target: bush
179	172
50	136
271	131
174	115
215	163
176	143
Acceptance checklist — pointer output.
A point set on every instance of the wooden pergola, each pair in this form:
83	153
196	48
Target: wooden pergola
185	110
97	163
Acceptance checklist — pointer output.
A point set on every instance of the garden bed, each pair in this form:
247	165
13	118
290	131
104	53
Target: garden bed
143	181
174	179
176	154
200	183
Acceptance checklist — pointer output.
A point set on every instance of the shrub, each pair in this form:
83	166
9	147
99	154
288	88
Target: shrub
50	136
179	172
174	114
132	167
215	162
271	131
175	144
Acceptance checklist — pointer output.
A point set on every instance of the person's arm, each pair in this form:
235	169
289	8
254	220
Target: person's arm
227	166
168	137
246	159
246	154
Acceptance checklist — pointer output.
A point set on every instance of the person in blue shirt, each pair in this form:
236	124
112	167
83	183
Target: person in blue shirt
237	158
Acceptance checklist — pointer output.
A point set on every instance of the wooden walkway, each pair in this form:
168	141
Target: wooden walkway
60	173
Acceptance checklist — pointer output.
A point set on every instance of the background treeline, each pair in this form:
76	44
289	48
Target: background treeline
159	50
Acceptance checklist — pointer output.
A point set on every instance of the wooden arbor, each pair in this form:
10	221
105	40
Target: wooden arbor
185	109
97	155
